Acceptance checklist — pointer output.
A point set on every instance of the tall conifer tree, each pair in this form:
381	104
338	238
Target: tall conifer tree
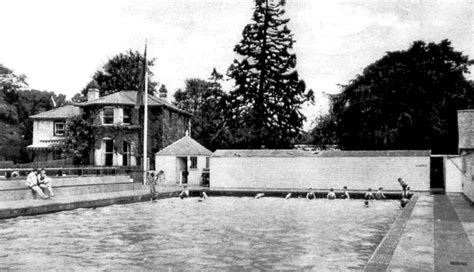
264	108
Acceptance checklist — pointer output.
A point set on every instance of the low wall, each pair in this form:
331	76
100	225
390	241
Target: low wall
321	172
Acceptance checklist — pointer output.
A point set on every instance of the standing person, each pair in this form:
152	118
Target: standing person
44	182
32	182
345	193
151	181
331	195
379	194
160	177
310	194
405	187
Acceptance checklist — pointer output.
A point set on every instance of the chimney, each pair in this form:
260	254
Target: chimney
92	94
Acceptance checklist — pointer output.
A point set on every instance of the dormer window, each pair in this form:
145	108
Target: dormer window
127	115
59	129
108	116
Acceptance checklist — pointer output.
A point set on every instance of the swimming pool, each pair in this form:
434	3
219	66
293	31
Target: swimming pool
221	233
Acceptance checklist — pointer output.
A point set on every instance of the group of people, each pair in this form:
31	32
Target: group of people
40	184
154	179
369	195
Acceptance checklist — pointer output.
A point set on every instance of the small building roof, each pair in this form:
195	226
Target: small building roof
63	112
302	153
129	98
185	146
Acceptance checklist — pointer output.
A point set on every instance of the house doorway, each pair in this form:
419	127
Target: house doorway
437	183
181	170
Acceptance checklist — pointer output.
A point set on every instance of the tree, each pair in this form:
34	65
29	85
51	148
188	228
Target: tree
206	101
120	73
80	140
406	100
264	108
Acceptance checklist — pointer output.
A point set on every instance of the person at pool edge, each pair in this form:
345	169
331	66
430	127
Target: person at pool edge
379	194
345	194
151	181
405	187
368	196
310	194
331	195
185	192
32	182
44	182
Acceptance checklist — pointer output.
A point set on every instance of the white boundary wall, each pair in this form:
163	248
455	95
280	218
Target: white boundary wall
358	173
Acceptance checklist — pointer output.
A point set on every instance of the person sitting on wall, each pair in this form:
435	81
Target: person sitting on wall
185	192
202	197
259	195
379	194
403	202
44	182
331	195
345	194
405	187
15	174
368	196
32	182
310	194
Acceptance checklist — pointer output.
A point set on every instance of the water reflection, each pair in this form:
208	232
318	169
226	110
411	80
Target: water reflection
221	233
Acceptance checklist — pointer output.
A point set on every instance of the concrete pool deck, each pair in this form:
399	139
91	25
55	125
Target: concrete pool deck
433	233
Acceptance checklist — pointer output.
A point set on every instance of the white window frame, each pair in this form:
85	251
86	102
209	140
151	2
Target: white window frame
56	130
103	115
129	115
194	163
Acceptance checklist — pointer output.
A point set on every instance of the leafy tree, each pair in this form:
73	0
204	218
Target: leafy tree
79	141
323	135
264	108
121	72
406	100
206	101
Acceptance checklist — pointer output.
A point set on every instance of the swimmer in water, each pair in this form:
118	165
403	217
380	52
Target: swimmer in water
368	196
403	202
259	195
379	194
288	196
185	192
331	195
310	194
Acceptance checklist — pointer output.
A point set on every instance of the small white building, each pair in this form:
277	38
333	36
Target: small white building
183	161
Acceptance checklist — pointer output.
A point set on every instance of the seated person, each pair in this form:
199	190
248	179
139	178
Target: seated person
32	182
259	195
379	194
403	202
331	195
405	187
44	182
185	192
310	194
203	195
345	193
368	196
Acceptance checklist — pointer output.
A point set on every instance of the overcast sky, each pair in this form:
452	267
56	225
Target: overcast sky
59	45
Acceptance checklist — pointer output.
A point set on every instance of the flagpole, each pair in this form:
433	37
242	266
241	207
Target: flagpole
145	125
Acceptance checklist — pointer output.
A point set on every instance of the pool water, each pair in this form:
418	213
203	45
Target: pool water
221	233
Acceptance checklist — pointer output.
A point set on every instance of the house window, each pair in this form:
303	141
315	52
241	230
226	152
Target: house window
194	162
109	152
126	154
59	129
127	113
108	115
207	162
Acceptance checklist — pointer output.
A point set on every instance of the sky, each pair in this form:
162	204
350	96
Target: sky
59	45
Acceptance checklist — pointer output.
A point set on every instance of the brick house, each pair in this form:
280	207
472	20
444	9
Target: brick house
48	130
118	128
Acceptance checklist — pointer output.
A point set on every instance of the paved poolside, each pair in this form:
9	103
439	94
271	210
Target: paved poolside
437	235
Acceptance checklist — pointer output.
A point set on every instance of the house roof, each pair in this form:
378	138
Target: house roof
129	98
185	146
63	112
302	153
